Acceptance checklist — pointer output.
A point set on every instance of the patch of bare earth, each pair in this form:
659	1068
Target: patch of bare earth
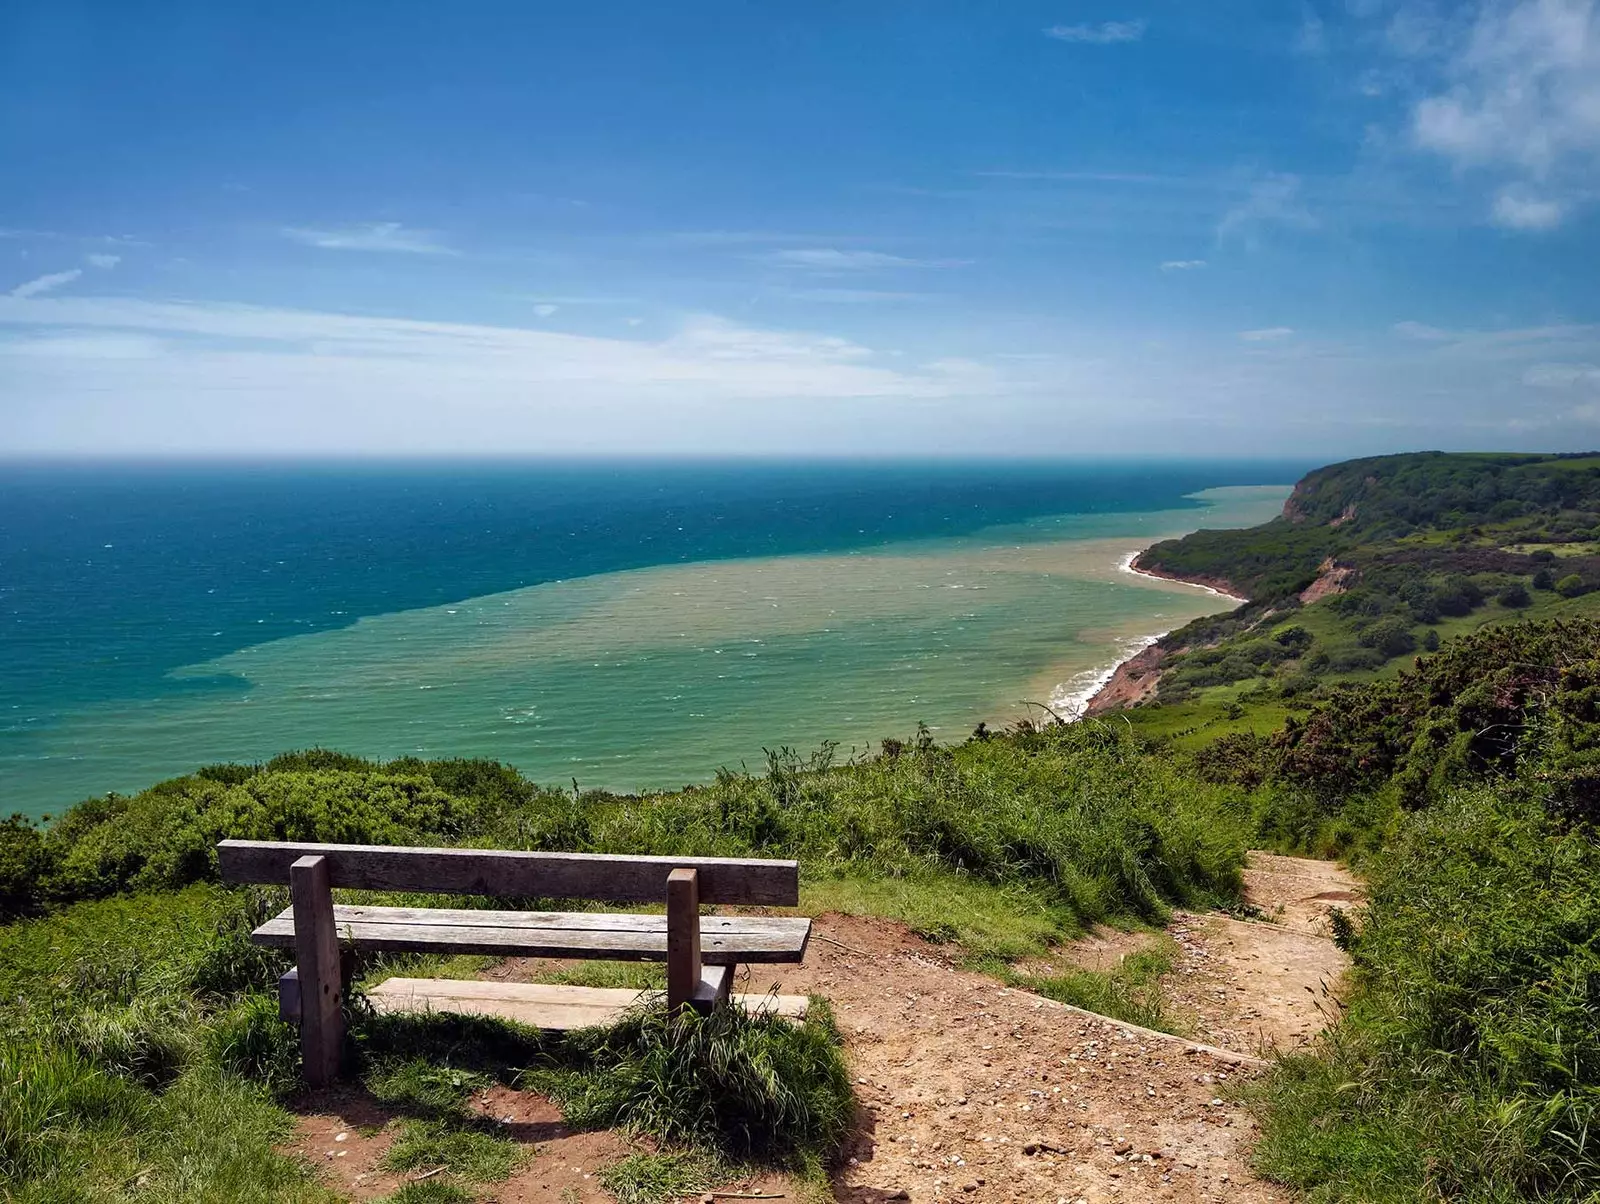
969	1090
346	1133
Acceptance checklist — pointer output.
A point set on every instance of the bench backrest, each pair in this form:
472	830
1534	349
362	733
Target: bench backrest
515	875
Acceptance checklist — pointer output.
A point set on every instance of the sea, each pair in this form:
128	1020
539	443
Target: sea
623	624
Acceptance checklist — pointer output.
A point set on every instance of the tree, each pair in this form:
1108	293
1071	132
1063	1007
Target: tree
1514	595
1571	586
1390	636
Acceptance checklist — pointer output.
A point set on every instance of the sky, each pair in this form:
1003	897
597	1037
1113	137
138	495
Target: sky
1316	229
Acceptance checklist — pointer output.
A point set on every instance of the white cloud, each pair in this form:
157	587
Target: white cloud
1561	376
854	296
1519	97
1105	34
1270	334
546	309
1271	201
831	259
1182	265
101	260
1518	211
374	236
43	284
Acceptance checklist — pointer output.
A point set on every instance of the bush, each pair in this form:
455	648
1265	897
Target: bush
1514	596
1544	579
1571	586
1390	636
745	1084
23	863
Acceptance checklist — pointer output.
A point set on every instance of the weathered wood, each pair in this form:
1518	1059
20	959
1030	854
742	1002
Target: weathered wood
556	1008
515	875
683	938
725	940
317	959
289	996
713	987
600	921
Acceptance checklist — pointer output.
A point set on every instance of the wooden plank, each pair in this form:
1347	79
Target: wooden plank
780	939
600	921
683	938
554	1008
513	874
317	960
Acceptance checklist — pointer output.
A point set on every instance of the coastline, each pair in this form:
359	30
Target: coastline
1124	680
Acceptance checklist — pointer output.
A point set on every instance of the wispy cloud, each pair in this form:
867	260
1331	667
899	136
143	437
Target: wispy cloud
102	260
545	309
43	284
1269	334
854	296
1273	201
1516	210
1517	96
832	260
1182	265
374	236
1561	376
1105	34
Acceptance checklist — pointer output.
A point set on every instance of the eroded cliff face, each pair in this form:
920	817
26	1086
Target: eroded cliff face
1332	578
1135	681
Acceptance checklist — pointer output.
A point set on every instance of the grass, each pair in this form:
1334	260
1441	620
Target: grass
1131	992
652	1178
740	1084
470	1151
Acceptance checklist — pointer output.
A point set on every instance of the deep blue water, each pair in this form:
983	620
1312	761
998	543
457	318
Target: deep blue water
111	575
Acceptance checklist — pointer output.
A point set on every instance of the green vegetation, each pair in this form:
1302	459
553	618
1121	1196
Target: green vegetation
1130	992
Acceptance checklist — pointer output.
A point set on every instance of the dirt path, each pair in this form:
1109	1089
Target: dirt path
972	1091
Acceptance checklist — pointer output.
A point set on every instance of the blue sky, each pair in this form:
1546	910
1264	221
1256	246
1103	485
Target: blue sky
1316	229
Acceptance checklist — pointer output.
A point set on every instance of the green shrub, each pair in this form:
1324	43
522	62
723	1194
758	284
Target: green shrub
1514	596
741	1083
1571	586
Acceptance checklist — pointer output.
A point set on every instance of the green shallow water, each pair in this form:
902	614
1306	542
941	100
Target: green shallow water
655	677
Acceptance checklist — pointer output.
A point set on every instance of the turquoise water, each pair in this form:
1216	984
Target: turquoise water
642	676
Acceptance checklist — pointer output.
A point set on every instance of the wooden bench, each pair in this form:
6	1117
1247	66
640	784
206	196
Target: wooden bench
700	951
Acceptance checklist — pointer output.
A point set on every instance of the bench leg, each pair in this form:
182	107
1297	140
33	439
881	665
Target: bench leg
316	946
683	938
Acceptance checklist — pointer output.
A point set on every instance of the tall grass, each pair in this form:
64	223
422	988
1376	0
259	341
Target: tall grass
1468	1064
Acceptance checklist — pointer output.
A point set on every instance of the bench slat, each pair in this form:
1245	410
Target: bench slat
513	874
725	940
600	921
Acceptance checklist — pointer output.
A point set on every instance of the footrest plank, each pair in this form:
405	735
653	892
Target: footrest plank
553	1008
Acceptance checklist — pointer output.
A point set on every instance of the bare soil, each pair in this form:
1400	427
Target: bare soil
971	1091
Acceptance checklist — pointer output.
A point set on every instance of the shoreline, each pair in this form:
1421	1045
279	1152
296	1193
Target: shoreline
1076	697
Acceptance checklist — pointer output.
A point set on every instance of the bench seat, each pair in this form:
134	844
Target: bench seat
724	940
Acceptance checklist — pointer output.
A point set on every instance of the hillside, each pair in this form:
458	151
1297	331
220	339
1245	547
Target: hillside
1371	562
